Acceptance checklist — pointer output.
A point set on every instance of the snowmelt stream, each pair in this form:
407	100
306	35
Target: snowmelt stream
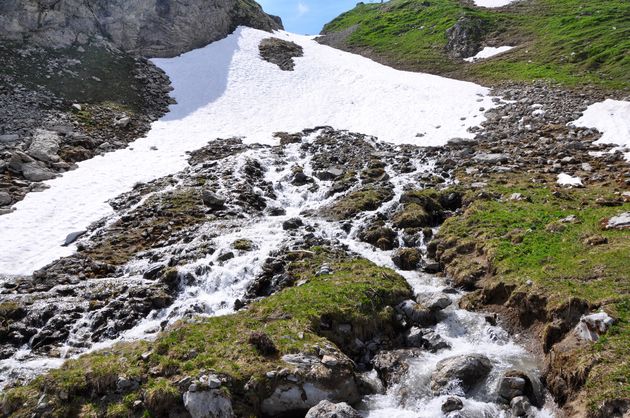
216	290
224	90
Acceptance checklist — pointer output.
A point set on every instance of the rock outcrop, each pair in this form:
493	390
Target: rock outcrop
156	28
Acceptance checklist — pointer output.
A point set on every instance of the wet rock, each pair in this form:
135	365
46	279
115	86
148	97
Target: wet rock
392	365
434	342
435	302
511	387
379	236
212	200
520	406
153	271
452	403
309	383
208	404
327	409
291	224
331	173
276	211
414	337
407	258
72	237
416	314
280	52
466	370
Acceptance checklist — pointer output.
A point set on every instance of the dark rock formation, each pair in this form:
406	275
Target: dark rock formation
280	52
157	28
464	38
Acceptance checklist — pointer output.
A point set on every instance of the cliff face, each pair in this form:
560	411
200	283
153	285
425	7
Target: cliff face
155	28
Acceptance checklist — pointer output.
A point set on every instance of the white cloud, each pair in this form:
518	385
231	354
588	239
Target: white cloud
303	9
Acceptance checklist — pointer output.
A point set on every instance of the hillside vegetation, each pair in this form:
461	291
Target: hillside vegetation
571	42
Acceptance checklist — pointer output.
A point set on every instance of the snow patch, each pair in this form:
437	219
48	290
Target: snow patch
566	180
612	119
489	51
223	90
493	3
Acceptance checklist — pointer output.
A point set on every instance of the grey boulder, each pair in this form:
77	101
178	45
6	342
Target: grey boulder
327	409
45	146
208	404
465	370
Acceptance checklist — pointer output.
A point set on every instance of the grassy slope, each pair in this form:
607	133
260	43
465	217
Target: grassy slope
560	264
357	292
568	41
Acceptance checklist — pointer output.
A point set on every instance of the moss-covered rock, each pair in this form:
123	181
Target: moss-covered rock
366	198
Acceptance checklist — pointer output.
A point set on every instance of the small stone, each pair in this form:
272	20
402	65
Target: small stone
291	224
329	361
520	406
212	199
72	237
452	403
5	199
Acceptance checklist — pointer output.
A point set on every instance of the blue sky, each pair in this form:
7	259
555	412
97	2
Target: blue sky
307	16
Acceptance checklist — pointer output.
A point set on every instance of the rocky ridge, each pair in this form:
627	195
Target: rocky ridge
156	28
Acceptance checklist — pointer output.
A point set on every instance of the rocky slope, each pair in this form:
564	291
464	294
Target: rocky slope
156	28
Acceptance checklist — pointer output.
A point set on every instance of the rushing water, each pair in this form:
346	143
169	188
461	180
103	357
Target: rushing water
217	287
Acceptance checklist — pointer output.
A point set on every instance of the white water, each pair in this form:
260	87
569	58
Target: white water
223	90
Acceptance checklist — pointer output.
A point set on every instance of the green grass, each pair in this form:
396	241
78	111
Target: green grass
571	42
357	293
524	242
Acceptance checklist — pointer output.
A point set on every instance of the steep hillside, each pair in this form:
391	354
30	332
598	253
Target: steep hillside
568	41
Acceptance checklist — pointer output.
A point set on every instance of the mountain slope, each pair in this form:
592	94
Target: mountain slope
568	41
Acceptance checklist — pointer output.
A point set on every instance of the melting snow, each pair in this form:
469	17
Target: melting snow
493	3
488	52
612	119
225	89
567	180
